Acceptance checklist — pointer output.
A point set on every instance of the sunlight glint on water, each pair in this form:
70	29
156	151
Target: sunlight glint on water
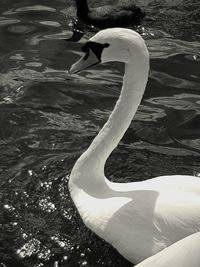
49	118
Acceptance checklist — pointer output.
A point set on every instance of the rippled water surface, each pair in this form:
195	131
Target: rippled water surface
47	119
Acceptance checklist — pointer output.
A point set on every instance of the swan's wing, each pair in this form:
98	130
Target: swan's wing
149	222
183	253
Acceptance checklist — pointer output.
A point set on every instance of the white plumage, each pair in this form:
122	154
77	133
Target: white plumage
184	253
140	218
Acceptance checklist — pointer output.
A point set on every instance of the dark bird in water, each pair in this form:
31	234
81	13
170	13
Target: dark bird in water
108	16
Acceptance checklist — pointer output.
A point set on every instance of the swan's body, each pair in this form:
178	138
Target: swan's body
140	218
118	15
184	253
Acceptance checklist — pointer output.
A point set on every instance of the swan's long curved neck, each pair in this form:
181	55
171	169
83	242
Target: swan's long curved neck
91	164
120	119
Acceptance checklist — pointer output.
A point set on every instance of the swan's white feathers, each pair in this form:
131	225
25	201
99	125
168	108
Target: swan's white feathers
184	183
115	34
136	227
184	253
120	44
140	218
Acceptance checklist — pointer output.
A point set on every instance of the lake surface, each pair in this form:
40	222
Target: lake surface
48	118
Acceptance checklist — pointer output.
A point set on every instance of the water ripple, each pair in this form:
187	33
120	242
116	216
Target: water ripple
48	118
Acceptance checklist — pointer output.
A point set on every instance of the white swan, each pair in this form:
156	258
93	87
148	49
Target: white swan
184	253
140	218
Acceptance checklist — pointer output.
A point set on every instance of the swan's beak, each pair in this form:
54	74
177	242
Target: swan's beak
86	61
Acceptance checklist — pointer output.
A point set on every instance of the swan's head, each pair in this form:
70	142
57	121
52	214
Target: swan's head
115	44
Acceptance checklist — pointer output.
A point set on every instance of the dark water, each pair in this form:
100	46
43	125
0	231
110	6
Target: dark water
47	119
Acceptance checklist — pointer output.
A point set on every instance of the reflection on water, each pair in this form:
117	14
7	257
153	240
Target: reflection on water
49	118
